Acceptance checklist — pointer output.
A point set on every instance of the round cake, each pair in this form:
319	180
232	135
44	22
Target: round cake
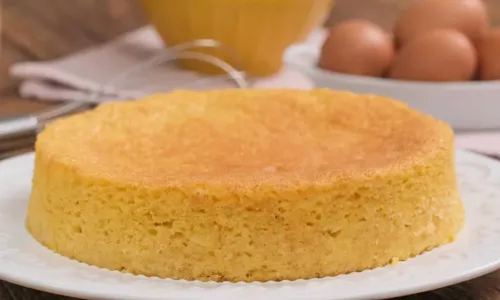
245	185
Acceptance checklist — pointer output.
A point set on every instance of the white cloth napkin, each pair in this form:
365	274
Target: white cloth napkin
76	77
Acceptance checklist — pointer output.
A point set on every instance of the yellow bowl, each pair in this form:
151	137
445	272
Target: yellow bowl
257	31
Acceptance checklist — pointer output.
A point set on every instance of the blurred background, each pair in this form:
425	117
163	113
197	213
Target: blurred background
47	29
385	12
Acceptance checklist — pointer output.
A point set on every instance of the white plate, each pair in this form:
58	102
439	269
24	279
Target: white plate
25	262
471	105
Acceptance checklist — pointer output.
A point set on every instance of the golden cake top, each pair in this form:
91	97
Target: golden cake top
243	136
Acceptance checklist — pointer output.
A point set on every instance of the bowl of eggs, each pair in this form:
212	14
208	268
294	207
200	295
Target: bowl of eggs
442	58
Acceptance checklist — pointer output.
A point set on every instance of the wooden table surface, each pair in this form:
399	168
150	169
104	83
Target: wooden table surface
47	29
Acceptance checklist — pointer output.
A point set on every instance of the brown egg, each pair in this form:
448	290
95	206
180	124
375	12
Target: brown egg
489	55
439	55
467	16
357	47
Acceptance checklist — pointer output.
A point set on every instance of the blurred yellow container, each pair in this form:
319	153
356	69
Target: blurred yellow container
257	31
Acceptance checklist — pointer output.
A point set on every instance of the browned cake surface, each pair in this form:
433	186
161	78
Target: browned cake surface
271	136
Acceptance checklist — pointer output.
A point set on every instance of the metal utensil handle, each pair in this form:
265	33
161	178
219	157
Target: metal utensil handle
14	127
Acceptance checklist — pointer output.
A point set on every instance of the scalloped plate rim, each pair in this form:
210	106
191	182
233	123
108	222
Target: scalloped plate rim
99	291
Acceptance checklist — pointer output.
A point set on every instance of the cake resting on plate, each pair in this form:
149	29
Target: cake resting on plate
245	185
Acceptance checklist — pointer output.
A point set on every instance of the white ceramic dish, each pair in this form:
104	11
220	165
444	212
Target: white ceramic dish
25	262
471	105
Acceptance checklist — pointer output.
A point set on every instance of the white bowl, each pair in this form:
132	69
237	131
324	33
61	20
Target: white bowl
471	105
